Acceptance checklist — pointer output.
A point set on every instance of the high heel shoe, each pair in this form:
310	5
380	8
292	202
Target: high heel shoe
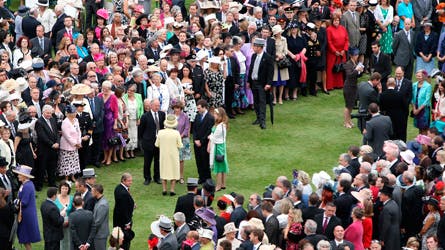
122	159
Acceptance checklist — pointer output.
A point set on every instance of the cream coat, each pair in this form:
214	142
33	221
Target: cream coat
281	50
169	142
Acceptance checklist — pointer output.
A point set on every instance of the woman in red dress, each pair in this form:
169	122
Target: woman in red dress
338	43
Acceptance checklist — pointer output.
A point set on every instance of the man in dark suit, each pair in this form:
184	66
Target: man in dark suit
389	220
269	47
368	92
123	208
41	45
184	203
339	234
403	48
310	229
312	209
344	202
392	104
232	80
404	87
327	221
271	225
260	78
239	213
30	23
58	25
85	194
150	124
152	51
97	109
8	181
378	129
255	204
67	31
81	225
48	140
11	121
202	128
412	206
380	62
52	220
35	100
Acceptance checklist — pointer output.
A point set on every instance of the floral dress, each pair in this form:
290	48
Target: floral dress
190	104
386	41
294	235
132	125
215	81
240	98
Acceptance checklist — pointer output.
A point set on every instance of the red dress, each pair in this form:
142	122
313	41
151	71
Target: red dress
367	232
337	41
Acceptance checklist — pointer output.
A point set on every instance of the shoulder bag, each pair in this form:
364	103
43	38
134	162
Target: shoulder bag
220	158
284	63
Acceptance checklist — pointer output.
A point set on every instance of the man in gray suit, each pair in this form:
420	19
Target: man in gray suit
378	129
403	48
351	21
389	220
181	227
368	92
100	215
169	241
81	225
422	11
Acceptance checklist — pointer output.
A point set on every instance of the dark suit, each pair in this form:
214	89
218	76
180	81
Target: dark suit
37	49
46	138
389	225
238	215
272	229
441	232
378	130
123	211
315	238
202	128
14	123
412	206
246	245
354	167
29	25
56	28
184	204
265	75
392	104
63	32
148	134
345	242
52	225
406	89
344	203
270	47
150	53
86	128
329	231
232	79
382	65
310	212
89	201
81	228
13	183
98	128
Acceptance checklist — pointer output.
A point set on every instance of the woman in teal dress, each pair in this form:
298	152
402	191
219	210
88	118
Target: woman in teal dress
64	201
217	147
384	14
421	102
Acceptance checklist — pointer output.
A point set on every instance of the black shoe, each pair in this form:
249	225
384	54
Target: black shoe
164	193
256	122
232	117
158	181
97	164
326	92
147	182
263	126
172	193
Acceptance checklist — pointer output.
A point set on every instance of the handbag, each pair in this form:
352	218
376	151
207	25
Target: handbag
114	141
284	63
220	158
338	65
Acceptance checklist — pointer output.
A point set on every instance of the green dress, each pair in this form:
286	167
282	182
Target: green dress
386	41
220	149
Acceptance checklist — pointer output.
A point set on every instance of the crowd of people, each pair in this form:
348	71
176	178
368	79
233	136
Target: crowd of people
93	85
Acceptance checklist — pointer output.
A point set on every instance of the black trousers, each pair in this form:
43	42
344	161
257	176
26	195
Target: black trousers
5	244
47	161
52	245
202	162
95	150
91	8
83	154
149	156
259	100
228	95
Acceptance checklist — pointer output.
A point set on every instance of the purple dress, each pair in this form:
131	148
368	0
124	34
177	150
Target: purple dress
28	228
109	117
247	51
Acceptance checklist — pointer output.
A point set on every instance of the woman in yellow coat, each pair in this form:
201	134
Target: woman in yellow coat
169	142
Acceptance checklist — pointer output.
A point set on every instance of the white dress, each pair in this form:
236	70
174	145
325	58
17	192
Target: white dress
132	127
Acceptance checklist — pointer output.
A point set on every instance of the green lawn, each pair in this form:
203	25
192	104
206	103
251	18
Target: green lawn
308	134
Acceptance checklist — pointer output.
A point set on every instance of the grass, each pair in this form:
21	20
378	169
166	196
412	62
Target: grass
308	134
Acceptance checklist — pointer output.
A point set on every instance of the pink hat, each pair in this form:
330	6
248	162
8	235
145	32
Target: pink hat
423	139
139	8
98	57
102	13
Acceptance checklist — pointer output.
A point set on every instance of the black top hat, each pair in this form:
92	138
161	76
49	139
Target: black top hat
3	162
387	190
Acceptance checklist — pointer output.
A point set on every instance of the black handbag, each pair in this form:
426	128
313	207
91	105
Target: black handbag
338	66
114	141
284	63
220	158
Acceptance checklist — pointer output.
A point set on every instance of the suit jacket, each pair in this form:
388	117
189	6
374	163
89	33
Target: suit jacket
202	129
272	229
26	96
354	167
348	243
352	25
100	215
46	136
389	225
36	50
149	53
422	9
234	30
14	185
246	245
57	27
235	77
29	25
98	114
315	238
383	65
184	204
61	33
344	203
81	223
310	212
123	207
270	47
52	221
89	201
406	89
182	233
15	123
333	222
198	80
412	206
403	50
392	104
366	95
147	129
265	71
168	243
441	232
238	214
378	130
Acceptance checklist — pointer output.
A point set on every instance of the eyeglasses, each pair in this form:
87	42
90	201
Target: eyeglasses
91	75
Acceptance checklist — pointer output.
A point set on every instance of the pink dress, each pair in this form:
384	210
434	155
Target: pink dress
354	234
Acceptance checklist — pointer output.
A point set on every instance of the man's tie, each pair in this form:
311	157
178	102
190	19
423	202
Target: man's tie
157	122
39	111
93	108
325	223
353	16
6	182
397	85
49	125
229	67
408	36
42	45
155	53
70	34
12	129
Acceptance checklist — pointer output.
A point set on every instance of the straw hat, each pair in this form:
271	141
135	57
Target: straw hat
55	73
362	195
205	233
23	170
277	29
170	121
80	89
256	223
230	228
9	85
